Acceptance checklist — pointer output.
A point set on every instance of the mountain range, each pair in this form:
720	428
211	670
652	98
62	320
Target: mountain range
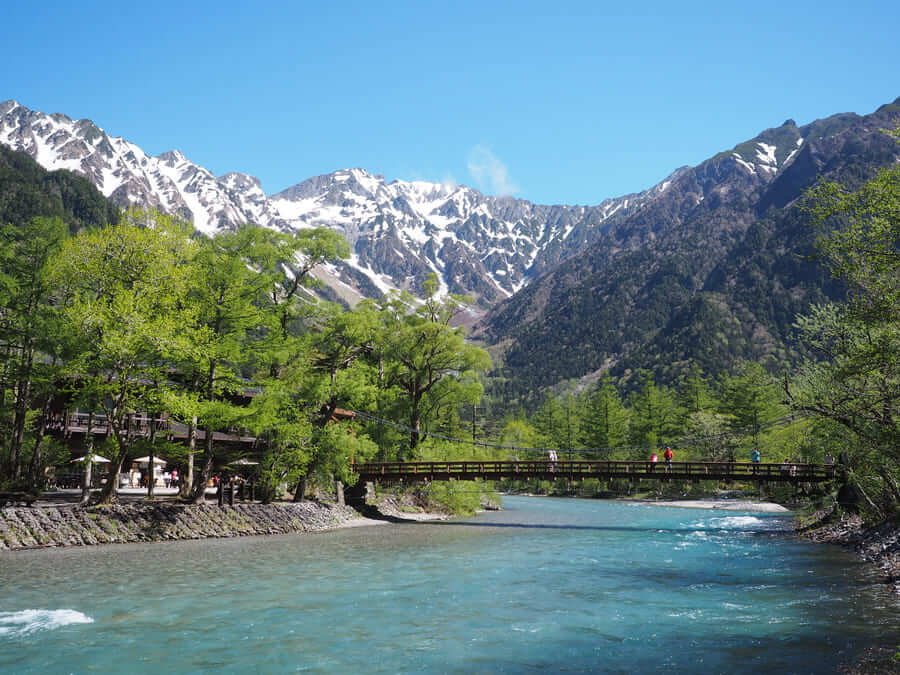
709	266
399	231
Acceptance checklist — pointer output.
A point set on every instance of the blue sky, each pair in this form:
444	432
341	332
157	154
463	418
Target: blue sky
556	102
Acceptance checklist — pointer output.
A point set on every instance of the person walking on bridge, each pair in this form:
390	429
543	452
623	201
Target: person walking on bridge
668	455
755	457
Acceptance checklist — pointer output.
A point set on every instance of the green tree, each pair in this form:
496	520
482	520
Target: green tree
853	377
31	338
711	435
124	292
550	421
426	361
654	413
518	433
695	393
605	426
340	376
285	262
285	359
225	297
752	400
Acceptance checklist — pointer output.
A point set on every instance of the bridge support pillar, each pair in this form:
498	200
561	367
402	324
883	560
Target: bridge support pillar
339	492
357	495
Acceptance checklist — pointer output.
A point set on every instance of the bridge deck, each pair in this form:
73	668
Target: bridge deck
574	470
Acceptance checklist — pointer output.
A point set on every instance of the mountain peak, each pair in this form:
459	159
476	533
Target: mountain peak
172	157
236	179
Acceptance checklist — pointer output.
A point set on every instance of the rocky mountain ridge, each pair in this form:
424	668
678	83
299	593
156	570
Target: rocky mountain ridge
399	231
713	271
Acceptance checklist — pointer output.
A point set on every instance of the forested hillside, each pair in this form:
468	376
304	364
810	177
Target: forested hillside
28	190
712	272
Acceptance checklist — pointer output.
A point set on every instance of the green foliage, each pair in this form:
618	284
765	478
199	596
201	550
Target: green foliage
31	336
854	381
520	434
606	420
427	364
123	290
27	190
461	498
752	399
711	436
655	414
559	422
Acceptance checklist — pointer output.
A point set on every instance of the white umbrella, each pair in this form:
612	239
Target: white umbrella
146	460
96	459
245	462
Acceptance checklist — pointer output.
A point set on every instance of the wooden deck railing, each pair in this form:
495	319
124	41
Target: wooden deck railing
547	470
68	424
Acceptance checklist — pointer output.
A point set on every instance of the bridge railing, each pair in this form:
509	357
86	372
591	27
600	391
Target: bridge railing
594	468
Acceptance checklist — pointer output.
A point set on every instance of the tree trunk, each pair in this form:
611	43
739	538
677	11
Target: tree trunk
301	490
4	378
109	492
23	391
151	482
200	487
187	481
34	469
415	435
88	465
199	495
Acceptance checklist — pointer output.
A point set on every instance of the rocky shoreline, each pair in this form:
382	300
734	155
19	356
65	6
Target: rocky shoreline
878	546
28	528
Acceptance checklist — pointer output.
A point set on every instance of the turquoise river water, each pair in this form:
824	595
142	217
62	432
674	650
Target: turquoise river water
546	584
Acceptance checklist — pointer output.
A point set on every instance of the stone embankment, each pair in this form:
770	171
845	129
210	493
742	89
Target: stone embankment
23	528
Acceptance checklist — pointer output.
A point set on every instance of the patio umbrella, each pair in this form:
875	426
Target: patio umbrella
146	460
96	459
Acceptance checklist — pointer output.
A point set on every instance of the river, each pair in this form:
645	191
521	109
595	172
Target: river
545	584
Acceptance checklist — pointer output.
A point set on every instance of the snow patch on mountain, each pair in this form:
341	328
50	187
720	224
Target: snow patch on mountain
766	154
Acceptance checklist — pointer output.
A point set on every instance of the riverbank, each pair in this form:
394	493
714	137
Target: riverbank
878	545
27	528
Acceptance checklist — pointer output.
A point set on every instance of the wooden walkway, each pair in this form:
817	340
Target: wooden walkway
576	470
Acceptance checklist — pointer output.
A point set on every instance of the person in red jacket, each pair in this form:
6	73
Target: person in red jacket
668	455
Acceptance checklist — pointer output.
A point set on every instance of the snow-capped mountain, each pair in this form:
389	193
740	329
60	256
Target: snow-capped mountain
399	231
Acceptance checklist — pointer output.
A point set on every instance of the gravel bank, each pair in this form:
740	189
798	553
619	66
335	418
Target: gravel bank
723	504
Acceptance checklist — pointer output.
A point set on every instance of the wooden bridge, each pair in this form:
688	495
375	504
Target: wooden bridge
410	472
